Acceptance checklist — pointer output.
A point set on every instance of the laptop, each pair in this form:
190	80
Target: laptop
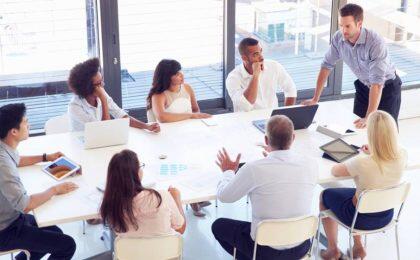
301	116
106	133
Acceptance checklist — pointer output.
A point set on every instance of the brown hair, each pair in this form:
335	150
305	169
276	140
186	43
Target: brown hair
80	78
352	10
280	132
122	185
162	78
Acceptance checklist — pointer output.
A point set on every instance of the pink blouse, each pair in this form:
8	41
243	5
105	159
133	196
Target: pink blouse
153	220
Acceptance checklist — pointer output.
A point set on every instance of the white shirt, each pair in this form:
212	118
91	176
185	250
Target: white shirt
280	186
274	77
81	112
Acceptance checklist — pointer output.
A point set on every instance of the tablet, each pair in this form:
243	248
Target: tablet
61	168
339	150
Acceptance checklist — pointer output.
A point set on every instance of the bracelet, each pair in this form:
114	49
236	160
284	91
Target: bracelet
44	157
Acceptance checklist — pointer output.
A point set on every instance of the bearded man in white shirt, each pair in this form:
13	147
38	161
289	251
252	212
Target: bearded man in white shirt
280	186
253	84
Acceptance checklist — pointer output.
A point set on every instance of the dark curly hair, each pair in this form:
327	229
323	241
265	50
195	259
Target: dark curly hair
162	78
80	78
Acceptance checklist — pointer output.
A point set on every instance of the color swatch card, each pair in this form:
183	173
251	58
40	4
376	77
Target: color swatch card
172	169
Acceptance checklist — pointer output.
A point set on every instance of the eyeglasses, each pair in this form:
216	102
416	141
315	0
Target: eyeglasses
102	83
142	165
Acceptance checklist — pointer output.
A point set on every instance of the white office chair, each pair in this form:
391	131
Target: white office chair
283	232
149	248
57	125
372	201
28	255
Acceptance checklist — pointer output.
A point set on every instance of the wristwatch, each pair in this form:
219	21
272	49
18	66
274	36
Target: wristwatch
44	157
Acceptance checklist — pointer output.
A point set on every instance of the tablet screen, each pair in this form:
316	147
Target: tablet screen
339	150
60	167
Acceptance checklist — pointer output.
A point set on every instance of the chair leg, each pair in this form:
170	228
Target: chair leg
84	227
247	199
318	236
234	253
365	242
11	256
397	242
216	204
351	246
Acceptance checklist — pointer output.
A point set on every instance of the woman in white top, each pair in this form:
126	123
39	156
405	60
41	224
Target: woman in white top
91	102
170	99
133	210
381	166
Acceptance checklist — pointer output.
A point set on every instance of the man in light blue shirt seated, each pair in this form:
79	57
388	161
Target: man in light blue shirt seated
280	186
18	229
366	54
91	102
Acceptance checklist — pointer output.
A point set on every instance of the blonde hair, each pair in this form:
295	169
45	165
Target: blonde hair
382	137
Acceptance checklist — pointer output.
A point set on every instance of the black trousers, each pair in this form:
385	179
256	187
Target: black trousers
235	233
24	233
390	100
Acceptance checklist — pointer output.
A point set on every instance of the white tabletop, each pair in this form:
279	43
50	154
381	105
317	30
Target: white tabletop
190	147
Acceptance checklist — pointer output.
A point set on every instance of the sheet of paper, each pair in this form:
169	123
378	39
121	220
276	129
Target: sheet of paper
209	121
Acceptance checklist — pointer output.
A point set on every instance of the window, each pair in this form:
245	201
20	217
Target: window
397	22
294	33
40	40
189	31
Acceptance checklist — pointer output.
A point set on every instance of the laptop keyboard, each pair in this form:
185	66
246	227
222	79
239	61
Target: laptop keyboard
260	125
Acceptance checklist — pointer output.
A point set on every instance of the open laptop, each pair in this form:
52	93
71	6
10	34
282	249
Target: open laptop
301	116
106	133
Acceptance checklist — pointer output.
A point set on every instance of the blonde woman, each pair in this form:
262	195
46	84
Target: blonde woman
380	166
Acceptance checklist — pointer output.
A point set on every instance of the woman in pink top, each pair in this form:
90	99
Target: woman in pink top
132	210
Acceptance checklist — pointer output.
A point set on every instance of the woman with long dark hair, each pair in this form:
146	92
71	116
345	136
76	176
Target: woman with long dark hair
133	210
170	99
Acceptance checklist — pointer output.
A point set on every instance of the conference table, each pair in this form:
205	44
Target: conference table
189	149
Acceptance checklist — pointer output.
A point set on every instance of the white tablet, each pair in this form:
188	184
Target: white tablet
61	168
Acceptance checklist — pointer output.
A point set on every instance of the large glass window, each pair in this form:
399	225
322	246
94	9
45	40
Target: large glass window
294	33
398	22
40	40
189	31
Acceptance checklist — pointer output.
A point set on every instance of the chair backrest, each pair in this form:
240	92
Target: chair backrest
283	232
371	201
57	125
148	248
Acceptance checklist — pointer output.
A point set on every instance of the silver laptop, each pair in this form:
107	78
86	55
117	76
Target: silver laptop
106	133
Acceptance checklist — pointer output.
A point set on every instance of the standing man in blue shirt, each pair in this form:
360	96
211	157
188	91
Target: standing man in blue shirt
364	51
18	229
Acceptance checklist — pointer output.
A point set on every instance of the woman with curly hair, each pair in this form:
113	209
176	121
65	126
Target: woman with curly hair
91	102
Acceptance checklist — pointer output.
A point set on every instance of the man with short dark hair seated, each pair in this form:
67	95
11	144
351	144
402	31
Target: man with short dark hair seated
19	230
280	186
254	83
